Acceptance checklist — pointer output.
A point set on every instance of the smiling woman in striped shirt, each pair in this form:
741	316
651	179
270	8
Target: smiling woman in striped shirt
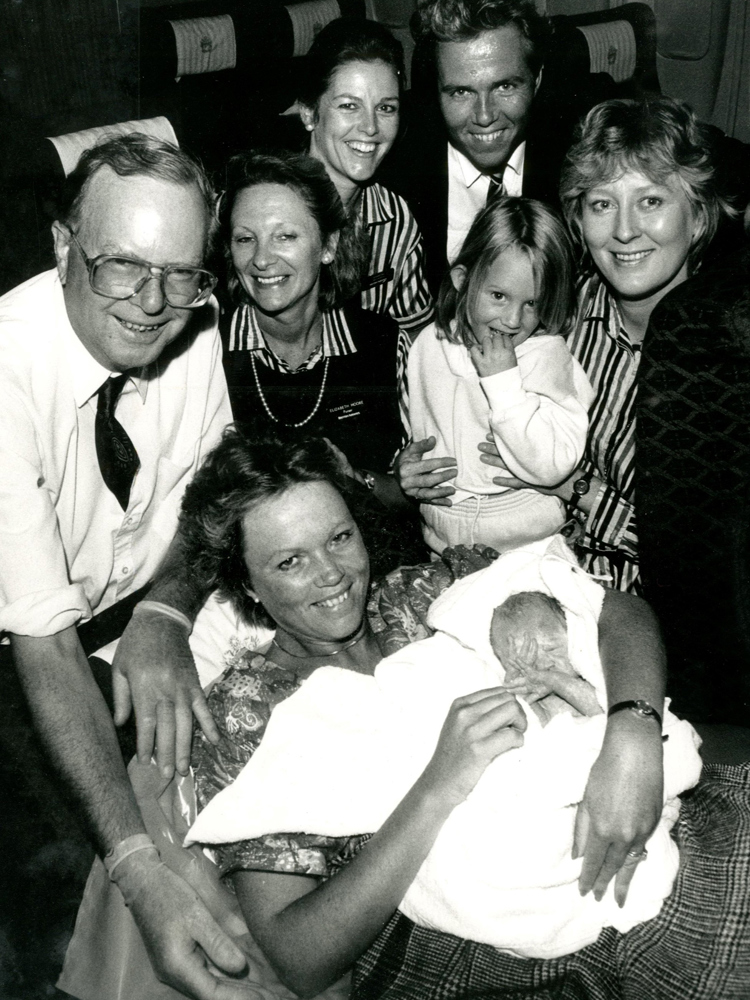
349	98
638	191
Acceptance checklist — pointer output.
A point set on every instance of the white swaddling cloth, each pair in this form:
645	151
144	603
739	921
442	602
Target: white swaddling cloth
340	753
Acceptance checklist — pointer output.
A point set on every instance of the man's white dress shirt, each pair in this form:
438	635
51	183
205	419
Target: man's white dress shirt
467	192
67	549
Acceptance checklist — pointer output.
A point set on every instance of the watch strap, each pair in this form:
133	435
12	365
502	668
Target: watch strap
575	499
640	707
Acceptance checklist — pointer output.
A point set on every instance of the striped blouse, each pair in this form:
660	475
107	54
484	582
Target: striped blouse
609	545
396	282
245	335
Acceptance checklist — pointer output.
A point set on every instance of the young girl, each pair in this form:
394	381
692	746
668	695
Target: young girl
495	361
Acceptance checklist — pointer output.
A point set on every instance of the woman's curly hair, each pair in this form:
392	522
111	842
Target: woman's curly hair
248	465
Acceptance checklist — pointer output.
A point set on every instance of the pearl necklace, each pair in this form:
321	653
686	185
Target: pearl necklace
267	408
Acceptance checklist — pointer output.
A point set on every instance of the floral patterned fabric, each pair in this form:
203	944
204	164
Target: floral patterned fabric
243	698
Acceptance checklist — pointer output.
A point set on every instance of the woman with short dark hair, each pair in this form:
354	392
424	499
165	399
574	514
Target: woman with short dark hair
349	98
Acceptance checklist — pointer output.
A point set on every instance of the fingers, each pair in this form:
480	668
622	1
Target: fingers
166	728
123	703
202	713
594	855
626	872
581	832
603	861
491	709
192	977
415	449
183	718
145	734
219	948
611	861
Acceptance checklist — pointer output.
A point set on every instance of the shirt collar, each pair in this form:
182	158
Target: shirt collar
604	309
336	338
87	375
374	208
471	174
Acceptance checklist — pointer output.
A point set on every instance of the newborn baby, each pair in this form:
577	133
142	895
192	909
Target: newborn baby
529	636
342	751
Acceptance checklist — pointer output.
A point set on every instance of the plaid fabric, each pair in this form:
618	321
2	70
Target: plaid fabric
698	948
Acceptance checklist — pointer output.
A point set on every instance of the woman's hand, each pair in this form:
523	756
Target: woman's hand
493	354
420	478
479	727
621	805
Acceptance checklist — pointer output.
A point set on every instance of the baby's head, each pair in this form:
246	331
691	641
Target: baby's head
529	630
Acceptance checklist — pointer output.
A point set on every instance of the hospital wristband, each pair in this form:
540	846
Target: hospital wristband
164	609
126	847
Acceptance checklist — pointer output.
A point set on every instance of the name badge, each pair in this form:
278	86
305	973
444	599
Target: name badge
345	411
377	279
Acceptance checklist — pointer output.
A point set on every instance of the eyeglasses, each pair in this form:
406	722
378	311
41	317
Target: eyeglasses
118	277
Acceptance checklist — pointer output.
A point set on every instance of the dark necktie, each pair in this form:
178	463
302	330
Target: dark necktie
118	459
495	191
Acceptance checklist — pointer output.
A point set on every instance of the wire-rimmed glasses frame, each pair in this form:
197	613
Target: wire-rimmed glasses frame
195	280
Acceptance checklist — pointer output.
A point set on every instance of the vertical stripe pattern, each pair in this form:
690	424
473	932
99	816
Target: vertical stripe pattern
245	335
397	284
609	545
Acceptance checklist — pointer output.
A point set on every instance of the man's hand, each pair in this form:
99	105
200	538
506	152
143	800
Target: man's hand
621	805
491	456
420	478
154	672
180	935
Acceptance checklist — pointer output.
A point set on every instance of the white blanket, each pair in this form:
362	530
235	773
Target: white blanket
340	753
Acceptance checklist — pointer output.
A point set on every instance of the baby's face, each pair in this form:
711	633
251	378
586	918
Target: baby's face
537	639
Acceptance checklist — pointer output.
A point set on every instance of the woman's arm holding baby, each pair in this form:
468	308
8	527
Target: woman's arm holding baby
313	931
624	796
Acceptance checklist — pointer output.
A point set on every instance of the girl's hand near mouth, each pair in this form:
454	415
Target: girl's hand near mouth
493	354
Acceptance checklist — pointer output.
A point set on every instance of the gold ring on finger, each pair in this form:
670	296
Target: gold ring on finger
637	856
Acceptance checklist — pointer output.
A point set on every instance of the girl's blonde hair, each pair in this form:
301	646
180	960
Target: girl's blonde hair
532	228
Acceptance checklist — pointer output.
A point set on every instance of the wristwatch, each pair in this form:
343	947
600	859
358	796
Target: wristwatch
580	489
639	707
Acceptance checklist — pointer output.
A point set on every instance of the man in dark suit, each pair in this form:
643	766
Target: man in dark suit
495	127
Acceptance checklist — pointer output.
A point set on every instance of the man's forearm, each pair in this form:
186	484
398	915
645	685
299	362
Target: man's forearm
73	721
177	584
632	651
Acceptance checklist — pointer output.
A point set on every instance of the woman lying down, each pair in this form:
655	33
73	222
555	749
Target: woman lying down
341	753
471	795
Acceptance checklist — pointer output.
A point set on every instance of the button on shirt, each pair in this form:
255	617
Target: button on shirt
467	192
67	549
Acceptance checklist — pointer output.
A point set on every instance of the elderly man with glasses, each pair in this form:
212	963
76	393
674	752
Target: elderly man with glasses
111	393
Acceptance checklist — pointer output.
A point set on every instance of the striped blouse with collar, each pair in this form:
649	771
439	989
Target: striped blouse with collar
245	335
396	283
609	546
